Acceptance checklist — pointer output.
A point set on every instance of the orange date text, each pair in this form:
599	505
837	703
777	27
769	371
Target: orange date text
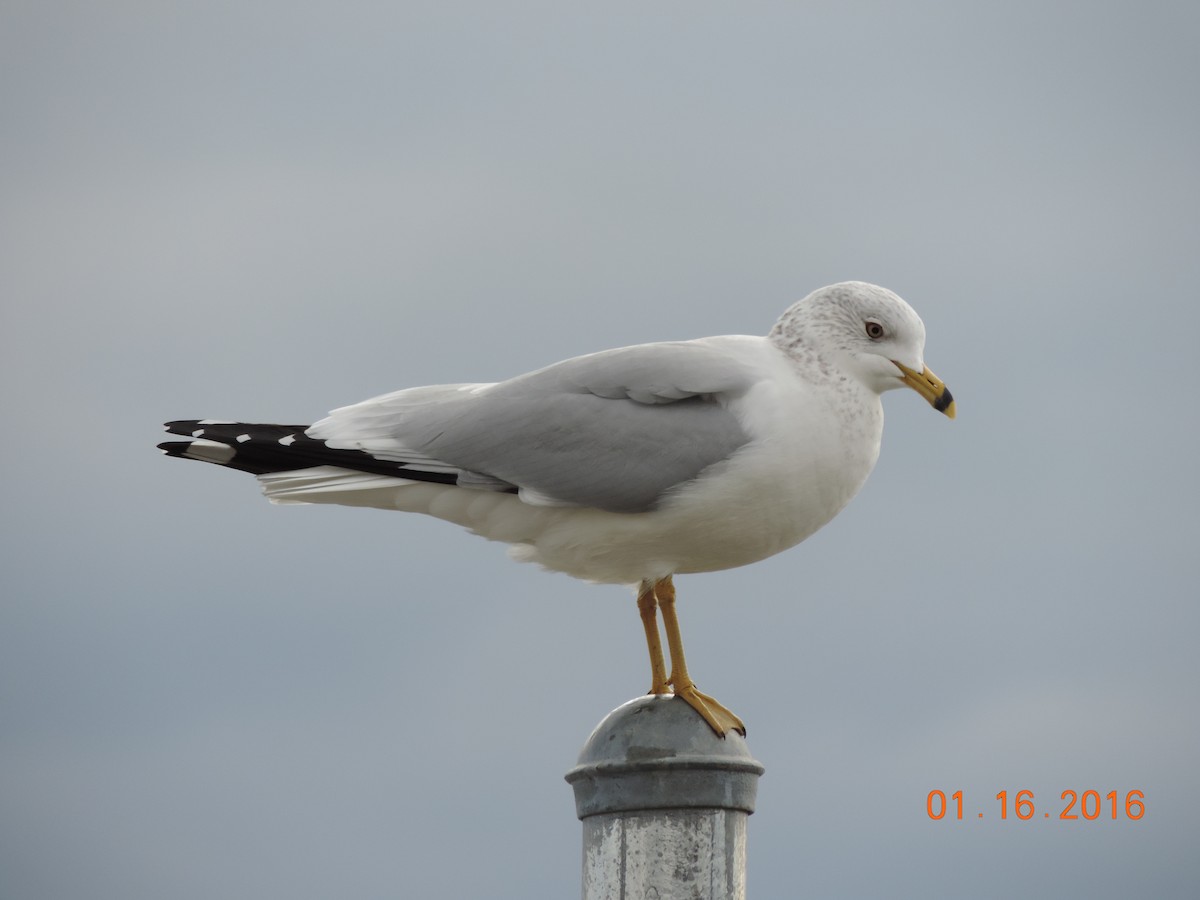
1087	805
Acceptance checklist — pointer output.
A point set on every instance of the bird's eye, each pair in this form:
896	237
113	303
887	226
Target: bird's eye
874	329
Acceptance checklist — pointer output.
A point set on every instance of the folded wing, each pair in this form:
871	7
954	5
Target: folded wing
616	430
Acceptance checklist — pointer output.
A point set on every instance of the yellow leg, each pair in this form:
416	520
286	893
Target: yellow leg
648	609
720	719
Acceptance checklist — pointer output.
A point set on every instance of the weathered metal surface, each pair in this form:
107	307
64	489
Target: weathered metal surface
664	803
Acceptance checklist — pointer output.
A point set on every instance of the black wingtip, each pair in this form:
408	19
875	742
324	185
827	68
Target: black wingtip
262	448
184	427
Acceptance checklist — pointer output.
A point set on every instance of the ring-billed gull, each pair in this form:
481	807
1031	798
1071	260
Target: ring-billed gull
626	466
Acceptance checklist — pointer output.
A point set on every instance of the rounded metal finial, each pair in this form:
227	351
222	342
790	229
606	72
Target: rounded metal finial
655	752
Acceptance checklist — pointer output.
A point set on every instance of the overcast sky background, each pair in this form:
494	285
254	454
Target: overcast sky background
263	211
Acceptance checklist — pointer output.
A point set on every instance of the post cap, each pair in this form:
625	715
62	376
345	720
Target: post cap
655	752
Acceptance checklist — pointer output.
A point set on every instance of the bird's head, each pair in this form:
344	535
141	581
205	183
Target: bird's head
867	332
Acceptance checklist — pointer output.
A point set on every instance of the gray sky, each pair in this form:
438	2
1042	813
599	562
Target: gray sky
261	212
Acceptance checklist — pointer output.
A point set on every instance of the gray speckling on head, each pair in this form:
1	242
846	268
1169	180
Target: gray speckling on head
828	315
831	318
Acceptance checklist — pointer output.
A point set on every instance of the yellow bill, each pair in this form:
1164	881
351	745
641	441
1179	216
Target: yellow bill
928	386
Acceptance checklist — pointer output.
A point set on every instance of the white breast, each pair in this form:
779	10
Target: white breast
807	459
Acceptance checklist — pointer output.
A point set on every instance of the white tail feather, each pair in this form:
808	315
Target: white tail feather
329	484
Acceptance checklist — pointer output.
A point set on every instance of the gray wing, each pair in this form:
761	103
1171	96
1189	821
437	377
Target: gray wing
615	430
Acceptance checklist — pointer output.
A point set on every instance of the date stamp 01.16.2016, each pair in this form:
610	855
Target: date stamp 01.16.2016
1073	805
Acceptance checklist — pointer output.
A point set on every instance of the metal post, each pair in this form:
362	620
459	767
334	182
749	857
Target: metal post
664	803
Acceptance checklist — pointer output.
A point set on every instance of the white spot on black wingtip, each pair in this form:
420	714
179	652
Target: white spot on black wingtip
209	451
198	432
288	441
242	438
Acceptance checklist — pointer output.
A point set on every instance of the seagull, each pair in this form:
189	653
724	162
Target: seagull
627	466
